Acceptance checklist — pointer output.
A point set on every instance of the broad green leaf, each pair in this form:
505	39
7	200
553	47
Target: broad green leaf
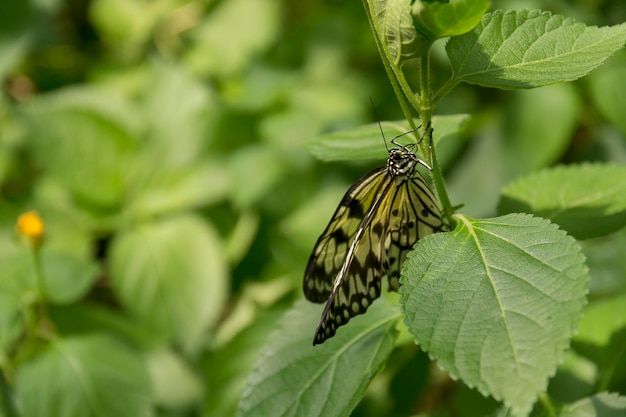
440	20
128	24
600	405
586	200
66	277
575	378
82	318
532	135
495	303
602	319
525	49
17	292
294	378
268	167
607	266
482	159
13	318
174	384
395	30
217	49
225	378
193	186
171	275
608	92
365	142
84	377
177	106
83	138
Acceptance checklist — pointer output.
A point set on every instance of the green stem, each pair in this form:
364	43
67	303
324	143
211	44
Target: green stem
426	108
547	405
400	87
41	286
422	103
42	326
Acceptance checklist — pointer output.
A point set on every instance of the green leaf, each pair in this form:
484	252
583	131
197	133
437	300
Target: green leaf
586	200
608	92
83	138
395	30
525	49
217	49
600	405
576	378
440	20
529	136
365	142
84	377
496	302
602	319
174	384
294	378
16	294
172	276
177	106
67	278
269	167
82	318
127	25
225	378
532	135
181	189
607	266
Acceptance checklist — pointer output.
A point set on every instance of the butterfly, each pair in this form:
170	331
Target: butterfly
376	224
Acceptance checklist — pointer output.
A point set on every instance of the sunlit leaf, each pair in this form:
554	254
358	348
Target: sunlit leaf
85	377
294	378
524	49
495	302
394	26
600	405
586	200
366	142
439	20
172	276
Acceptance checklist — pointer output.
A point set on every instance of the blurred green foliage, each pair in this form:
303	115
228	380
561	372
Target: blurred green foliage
162	142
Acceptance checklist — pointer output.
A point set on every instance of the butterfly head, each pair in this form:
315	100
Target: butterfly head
401	162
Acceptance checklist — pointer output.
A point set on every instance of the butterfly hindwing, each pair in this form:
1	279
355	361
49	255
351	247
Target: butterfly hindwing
412	214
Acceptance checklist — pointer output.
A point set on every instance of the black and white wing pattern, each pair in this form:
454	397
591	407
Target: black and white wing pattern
377	222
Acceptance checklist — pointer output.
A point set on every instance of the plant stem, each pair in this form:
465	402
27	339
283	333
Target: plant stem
422	103
41	286
547	405
426	108
396	84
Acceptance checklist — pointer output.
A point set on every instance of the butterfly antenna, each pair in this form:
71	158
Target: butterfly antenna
379	125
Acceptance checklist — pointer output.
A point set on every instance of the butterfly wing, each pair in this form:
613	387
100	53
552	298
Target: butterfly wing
329	252
412	214
376	224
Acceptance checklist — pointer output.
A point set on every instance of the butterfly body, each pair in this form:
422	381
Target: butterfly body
376	224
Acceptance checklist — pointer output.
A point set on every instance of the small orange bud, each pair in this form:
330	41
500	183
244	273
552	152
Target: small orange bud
31	226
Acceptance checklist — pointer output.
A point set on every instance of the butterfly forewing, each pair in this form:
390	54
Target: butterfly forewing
378	221
330	250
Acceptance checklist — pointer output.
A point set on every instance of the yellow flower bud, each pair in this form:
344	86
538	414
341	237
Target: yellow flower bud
31	227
